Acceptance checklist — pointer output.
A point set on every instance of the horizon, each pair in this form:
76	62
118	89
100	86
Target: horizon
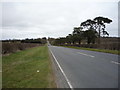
47	38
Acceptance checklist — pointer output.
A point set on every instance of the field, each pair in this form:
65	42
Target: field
30	68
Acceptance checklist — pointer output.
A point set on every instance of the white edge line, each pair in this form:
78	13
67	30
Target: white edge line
62	71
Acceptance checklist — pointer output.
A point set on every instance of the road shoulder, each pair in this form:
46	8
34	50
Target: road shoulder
59	78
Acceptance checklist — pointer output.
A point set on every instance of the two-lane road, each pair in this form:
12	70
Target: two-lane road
87	69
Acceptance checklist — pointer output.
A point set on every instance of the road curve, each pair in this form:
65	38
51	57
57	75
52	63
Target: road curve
87	69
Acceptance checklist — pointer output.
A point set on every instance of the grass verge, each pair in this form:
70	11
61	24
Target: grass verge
98	50
20	69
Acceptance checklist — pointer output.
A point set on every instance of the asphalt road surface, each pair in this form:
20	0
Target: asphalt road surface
87	69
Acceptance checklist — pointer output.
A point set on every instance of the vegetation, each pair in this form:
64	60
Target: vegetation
77	34
88	30
13	47
100	25
10	46
98	50
30	68
38	40
89	34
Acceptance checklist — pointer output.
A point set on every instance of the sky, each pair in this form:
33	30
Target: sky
53	18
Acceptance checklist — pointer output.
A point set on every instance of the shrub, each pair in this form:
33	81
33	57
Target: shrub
13	47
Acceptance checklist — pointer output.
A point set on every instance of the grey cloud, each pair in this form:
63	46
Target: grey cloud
53	19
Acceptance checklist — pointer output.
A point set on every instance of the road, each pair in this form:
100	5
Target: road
87	69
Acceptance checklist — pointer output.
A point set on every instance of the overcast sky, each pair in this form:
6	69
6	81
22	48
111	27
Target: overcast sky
53	18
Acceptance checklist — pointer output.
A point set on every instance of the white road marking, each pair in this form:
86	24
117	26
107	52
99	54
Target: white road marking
86	54
62	71
115	62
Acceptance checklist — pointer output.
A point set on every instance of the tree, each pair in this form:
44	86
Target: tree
51	40
89	24
69	39
90	35
60	41
100	24
78	34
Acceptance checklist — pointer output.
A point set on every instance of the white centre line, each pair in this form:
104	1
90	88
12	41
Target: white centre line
62	71
85	54
115	62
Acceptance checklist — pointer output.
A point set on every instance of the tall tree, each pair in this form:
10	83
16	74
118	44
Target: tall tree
89	24
69	39
77	34
100	23
90	35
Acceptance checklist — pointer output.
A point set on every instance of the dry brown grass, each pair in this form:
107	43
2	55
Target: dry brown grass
13	47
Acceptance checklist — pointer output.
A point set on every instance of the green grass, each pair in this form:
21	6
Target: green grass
98	50
20	69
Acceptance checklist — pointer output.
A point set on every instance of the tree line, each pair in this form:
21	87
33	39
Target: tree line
88	30
27	40
14	45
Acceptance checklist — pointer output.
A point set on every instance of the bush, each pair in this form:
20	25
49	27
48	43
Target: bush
13	47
